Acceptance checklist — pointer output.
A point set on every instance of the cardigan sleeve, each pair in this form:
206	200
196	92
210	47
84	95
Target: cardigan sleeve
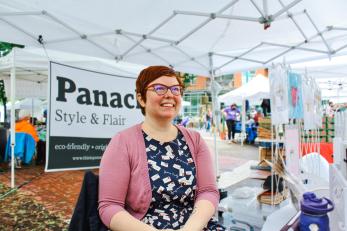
206	180
114	176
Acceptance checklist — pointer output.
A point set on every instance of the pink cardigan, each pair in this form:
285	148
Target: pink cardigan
124	182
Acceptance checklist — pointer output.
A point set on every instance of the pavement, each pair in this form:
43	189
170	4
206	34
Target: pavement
58	191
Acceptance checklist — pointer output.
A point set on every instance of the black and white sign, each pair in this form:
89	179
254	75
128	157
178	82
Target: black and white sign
86	109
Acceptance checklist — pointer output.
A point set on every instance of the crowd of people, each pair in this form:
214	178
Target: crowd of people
230	122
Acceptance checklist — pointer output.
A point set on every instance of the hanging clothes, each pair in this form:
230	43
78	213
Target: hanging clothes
265	105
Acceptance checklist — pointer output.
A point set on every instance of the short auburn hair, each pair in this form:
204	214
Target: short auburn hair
150	74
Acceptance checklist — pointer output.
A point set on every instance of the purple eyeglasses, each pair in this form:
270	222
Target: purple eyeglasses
161	89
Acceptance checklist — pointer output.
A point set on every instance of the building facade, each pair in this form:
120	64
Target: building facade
197	89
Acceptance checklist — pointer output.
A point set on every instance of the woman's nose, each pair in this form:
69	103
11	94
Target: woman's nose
169	93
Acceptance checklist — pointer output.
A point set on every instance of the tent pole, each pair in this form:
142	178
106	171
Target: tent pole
243	121
13	99
215	114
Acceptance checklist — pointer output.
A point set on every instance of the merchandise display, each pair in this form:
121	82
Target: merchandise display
308	103
278	95
295	99
264	128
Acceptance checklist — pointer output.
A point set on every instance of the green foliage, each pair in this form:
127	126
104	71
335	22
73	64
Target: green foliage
188	79
3	98
5	49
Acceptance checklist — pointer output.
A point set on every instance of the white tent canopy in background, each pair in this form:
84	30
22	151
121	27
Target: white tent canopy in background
26	88
238	35
32	69
330	75
33	106
255	90
29	104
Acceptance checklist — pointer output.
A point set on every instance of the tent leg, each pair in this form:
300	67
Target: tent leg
13	99
215	115
243	121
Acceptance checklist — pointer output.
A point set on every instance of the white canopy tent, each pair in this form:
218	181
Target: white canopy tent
206	37
32	69
255	90
237	34
330	75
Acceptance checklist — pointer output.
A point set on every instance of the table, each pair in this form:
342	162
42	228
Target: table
245	213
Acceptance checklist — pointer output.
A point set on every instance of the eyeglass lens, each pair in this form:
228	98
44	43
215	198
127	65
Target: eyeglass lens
161	89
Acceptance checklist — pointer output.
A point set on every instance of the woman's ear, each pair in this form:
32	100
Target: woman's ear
140	100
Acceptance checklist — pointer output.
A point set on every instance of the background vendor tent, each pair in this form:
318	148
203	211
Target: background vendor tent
32	69
330	74
255	90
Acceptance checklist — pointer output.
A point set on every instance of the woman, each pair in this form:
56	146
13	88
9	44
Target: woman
154	175
231	114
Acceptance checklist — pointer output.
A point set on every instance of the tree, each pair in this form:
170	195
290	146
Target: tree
188	79
3	98
5	49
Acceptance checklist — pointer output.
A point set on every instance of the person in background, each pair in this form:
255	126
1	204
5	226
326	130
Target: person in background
155	175
23	125
250	121
208	120
250	129
185	121
330	109
252	112
258	115
41	129
231	114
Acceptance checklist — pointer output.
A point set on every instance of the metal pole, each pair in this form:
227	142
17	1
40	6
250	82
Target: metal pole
215	114
13	124
243	121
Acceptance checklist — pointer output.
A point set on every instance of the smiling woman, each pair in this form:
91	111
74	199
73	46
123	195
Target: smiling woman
155	175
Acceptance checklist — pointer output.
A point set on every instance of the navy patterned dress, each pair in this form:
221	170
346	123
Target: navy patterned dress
172	175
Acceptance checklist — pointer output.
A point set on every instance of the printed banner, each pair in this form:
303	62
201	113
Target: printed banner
86	108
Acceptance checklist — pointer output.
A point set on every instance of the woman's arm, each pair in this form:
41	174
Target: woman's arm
202	213
114	179
123	221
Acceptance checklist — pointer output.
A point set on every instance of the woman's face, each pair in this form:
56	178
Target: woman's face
164	106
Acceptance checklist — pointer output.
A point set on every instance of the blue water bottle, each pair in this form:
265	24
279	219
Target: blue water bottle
314	212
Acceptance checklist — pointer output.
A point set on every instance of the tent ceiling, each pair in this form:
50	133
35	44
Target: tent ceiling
330	75
32	69
32	64
181	33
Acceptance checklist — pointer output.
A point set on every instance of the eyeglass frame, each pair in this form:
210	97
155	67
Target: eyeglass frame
166	87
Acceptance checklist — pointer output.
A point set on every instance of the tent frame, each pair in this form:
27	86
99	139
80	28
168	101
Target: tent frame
264	18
